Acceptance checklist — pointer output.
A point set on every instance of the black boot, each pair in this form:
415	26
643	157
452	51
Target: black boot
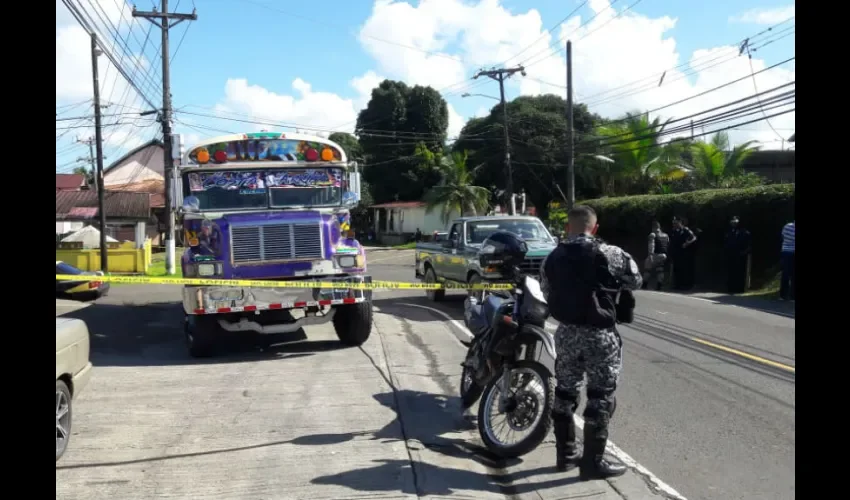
567	455
593	465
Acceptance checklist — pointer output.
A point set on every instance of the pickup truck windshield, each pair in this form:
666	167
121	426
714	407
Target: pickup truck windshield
272	188
527	229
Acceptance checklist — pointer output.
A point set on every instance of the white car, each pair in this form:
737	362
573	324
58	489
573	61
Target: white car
73	371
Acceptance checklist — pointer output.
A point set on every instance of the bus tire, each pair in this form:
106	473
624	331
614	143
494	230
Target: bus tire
353	323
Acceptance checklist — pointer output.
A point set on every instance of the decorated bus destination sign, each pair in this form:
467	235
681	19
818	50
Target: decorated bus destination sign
257	182
264	147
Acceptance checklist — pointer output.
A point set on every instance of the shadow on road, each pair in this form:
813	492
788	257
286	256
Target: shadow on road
152	334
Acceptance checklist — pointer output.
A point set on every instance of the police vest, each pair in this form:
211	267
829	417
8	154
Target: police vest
575	273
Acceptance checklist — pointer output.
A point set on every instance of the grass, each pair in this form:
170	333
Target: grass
157	267
405	246
770	290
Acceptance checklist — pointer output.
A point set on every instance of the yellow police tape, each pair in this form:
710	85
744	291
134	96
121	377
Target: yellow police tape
375	285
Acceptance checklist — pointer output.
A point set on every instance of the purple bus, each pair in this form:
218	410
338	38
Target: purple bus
270	206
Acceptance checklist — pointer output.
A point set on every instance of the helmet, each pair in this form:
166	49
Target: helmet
503	250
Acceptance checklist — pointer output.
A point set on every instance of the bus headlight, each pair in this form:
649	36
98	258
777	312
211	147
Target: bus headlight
347	261
206	269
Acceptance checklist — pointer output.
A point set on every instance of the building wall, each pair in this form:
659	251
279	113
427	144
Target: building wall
407	220
146	164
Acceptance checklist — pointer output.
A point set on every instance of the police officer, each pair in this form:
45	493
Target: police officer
656	261
575	277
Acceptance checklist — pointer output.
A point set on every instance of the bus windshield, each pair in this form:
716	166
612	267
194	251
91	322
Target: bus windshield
267	188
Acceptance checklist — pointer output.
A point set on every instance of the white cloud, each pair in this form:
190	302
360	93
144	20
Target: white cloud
456	123
764	16
443	42
309	110
74	82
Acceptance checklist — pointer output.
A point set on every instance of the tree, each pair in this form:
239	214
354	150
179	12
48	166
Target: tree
715	165
538	128
397	119
349	144
456	193
635	159
86	173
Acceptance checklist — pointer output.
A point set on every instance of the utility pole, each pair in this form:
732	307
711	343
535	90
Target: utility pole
500	75
91	159
98	144
162	21
571	155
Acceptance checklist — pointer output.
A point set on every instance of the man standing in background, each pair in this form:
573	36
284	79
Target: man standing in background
656	260
683	257
737	246
787	285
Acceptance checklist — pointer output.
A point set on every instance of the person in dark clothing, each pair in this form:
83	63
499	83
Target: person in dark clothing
684	261
656	262
417	236
737	247
586	341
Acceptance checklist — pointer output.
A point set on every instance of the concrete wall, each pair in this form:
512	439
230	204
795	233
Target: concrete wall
125	259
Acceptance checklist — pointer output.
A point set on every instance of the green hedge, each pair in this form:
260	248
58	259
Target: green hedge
626	222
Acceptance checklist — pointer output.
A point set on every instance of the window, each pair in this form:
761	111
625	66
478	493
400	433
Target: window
278	188
527	229
62	268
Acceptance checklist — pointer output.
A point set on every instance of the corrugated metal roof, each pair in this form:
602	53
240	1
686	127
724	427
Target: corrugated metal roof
69	181
118	205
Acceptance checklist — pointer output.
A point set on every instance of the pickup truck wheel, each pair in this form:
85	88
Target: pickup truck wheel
201	335
479	295
353	323
433	295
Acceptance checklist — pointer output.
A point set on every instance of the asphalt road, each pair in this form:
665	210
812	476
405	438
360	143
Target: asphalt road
707	398
303	419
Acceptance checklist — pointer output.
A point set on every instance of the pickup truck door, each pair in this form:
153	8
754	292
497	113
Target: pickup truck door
455	266
442	261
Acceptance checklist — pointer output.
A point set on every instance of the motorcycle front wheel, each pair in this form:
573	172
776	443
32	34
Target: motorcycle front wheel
529	410
470	390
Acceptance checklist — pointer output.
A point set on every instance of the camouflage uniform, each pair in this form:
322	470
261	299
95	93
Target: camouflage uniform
598	352
656	263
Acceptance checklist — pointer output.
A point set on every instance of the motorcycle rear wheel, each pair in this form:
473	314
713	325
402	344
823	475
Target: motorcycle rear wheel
541	422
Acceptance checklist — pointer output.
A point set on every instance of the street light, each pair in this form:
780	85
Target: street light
480	95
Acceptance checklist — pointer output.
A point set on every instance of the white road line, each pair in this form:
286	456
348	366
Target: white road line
652	480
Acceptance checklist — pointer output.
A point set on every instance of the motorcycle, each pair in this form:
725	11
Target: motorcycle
510	365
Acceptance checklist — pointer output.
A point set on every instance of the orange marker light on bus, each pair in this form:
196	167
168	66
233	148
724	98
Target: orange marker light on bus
327	154
203	156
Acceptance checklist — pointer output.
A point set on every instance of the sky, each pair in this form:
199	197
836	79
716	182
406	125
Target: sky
249	65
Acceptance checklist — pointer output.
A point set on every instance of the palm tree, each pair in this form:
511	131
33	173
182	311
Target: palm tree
714	163
640	159
456	192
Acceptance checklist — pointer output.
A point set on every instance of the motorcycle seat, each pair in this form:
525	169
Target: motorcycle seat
491	308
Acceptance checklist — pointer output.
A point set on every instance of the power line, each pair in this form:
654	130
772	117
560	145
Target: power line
550	30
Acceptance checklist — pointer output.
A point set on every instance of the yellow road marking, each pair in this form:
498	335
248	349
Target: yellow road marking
746	355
